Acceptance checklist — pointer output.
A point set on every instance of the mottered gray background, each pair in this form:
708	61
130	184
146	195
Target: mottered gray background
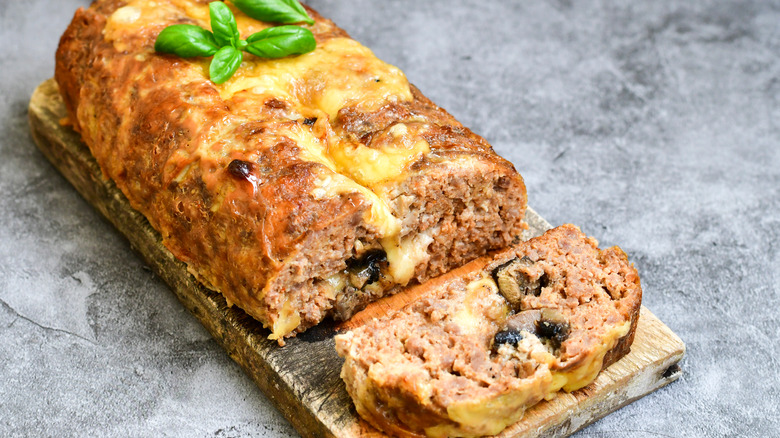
653	125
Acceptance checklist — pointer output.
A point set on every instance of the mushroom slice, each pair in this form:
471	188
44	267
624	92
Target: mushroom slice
525	320
517	278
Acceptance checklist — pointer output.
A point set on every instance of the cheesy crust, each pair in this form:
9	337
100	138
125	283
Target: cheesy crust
269	185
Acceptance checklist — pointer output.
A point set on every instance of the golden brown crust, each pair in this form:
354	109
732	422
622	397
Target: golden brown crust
164	133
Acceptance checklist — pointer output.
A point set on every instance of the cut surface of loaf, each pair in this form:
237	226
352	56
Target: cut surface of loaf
470	355
302	187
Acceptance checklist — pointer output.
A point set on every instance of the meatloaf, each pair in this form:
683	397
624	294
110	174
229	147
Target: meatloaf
469	356
302	187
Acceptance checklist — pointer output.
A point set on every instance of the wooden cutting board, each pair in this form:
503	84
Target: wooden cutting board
302	378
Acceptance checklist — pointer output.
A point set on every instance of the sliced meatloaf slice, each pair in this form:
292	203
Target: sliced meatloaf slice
467	358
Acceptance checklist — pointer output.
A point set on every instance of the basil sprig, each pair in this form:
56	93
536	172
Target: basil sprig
224	64
280	41
224	43
275	11
223	24
186	40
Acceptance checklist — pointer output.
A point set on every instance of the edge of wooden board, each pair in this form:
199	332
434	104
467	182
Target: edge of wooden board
287	375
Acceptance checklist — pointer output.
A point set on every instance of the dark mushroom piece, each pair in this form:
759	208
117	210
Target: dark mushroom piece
553	326
517	278
367	269
515	324
546	324
507	336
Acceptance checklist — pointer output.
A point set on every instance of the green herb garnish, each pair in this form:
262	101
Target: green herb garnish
225	44
186	40
224	63
223	24
275	11
280	41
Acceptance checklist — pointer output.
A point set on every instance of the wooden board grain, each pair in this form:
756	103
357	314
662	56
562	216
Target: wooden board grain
302	378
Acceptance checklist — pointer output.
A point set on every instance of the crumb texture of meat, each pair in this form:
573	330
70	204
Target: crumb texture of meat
272	186
468	357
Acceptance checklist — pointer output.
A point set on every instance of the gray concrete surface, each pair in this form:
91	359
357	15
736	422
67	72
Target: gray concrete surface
654	125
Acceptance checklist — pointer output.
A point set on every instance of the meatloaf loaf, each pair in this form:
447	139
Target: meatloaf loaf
300	188
469	356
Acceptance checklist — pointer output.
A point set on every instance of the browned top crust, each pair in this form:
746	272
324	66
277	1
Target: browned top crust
226	178
468	357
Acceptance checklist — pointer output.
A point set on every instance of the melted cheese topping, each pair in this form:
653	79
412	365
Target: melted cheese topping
340	72
125	15
370	166
379	215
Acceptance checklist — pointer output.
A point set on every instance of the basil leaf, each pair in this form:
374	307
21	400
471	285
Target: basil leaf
186	40
223	24
274	11
280	41
225	62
